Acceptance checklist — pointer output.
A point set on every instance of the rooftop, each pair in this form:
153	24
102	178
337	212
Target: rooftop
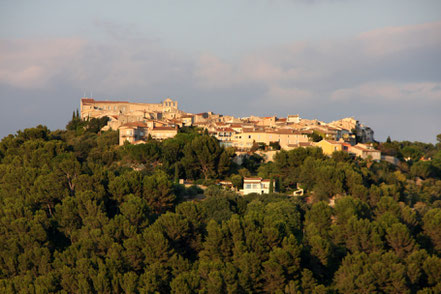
90	100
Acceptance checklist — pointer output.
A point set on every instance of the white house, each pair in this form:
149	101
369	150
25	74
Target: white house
256	185
293	119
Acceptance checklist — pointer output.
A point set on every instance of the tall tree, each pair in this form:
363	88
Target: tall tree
158	192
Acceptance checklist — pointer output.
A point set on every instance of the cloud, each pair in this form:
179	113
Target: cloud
282	95
117	31
212	72
395	92
274	79
319	67
393	40
110	67
34	63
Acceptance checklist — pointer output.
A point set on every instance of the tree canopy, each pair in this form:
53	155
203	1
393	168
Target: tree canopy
81	214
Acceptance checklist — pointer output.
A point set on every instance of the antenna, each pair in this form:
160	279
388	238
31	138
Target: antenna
91	96
84	95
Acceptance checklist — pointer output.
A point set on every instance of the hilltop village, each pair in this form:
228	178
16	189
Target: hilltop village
81	214
137	122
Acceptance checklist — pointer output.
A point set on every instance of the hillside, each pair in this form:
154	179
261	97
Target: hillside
80	214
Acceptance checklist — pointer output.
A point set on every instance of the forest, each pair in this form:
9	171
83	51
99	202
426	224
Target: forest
80	214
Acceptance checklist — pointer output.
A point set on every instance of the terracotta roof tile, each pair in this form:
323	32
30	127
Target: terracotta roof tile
164	129
252	179
87	100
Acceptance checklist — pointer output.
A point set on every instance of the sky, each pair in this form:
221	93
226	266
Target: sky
378	61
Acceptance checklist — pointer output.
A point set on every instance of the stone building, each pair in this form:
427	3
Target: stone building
138	132
135	121
91	108
284	137
132	132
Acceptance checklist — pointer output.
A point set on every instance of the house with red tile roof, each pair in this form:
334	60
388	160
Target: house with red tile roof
132	132
365	152
329	146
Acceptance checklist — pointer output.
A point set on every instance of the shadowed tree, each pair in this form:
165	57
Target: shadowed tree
362	235
318	219
432	268
69	166
158	192
414	267
432	227
377	272
399	238
205	156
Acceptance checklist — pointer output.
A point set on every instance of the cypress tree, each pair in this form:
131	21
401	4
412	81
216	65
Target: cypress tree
271	187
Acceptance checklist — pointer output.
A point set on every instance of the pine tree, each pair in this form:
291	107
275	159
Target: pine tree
176	173
399	238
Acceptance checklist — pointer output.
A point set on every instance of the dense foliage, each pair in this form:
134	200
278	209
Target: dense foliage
80	214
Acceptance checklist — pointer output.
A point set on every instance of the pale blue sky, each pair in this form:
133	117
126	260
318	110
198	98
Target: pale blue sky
227	28
376	60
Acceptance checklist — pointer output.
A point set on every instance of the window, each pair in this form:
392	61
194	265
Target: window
254	186
249	136
248	186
